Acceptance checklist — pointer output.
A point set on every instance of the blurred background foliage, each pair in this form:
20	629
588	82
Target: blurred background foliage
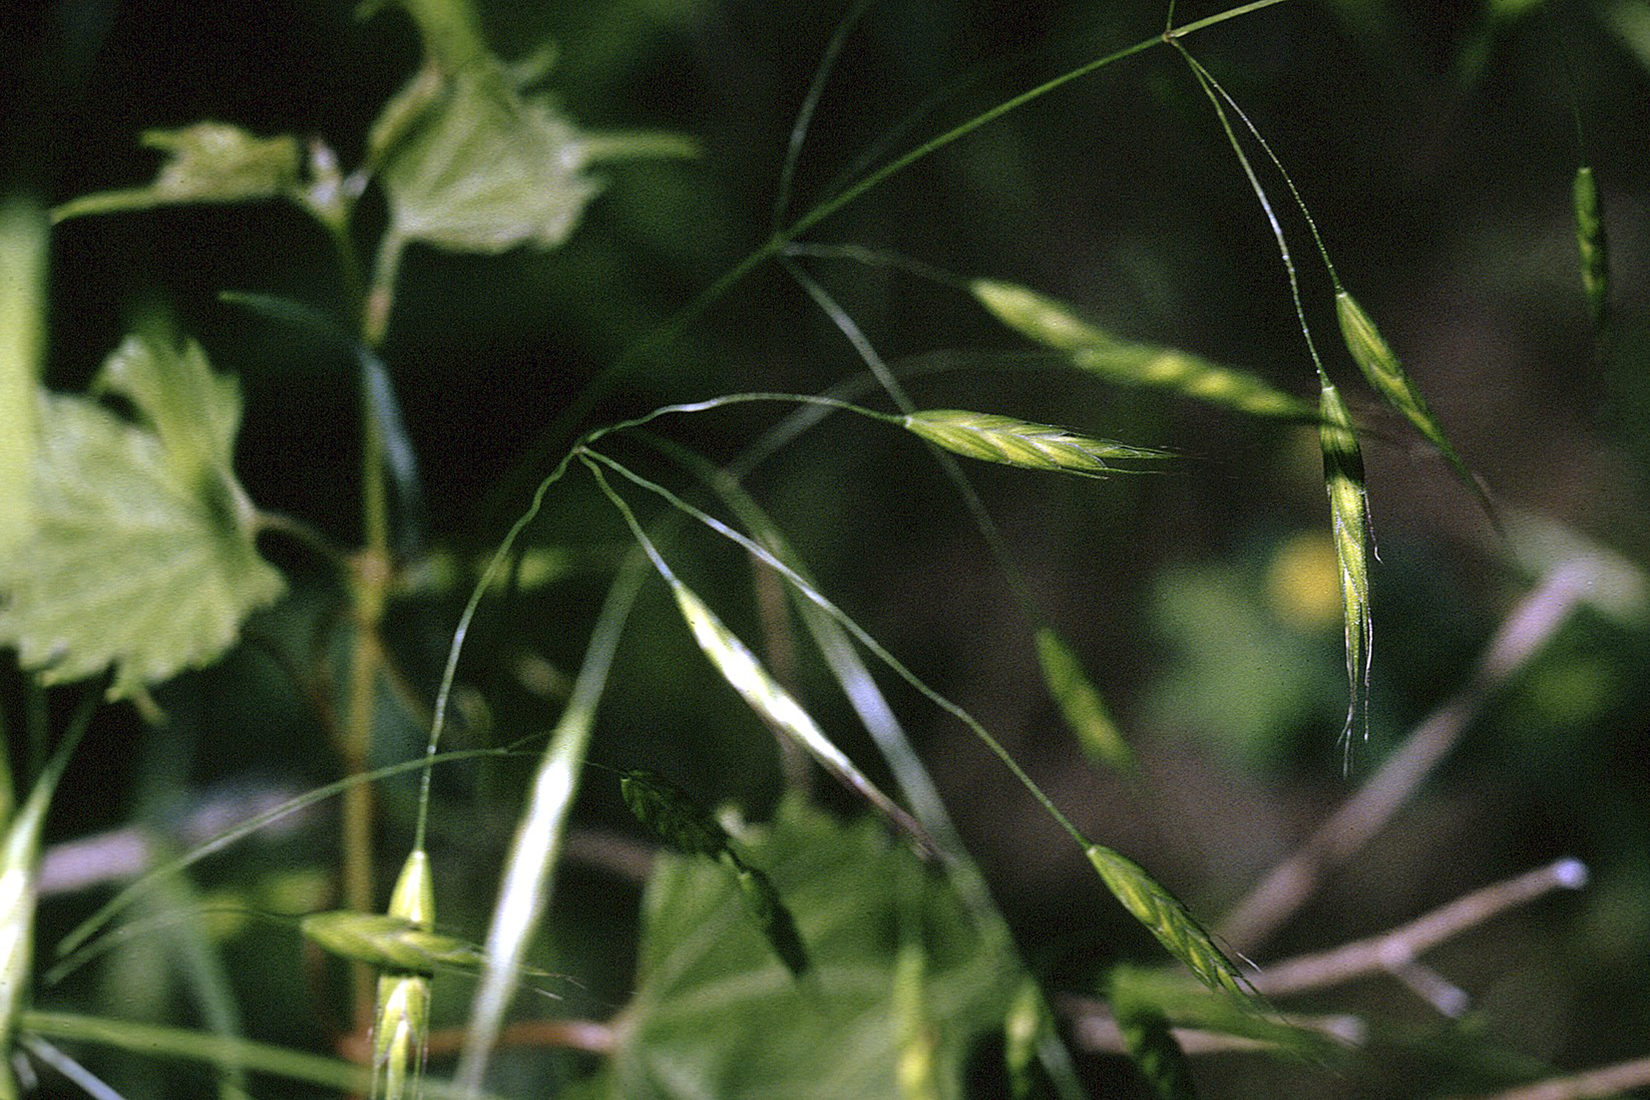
1434	144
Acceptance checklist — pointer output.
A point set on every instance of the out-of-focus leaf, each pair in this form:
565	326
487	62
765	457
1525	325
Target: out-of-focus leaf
141	555
23	251
1085	712
208	162
714	1015
473	164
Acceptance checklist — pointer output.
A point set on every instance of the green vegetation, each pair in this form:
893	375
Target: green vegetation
532	445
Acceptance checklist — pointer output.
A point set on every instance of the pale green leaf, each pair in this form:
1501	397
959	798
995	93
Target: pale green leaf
207	162
471	165
714	1015
141	556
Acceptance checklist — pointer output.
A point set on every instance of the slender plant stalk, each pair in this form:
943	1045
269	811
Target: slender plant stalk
781	239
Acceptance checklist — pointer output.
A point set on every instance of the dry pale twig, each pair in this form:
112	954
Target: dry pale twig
1606	1081
1530	626
1396	949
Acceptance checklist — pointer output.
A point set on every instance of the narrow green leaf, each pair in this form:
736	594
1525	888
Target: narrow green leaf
1185	1004
1080	703
1343	475
207	162
1590	240
24	248
188	1045
1388	378
142	552
1124	362
1166	918
1012	442
19	879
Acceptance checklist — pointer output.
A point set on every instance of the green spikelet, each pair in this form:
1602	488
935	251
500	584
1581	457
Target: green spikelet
1343	475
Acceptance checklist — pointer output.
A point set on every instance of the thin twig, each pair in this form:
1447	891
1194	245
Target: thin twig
1400	946
1606	1081
1530	626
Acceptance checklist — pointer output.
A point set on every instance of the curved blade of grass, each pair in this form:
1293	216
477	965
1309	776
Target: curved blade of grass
1141	895
528	878
1092	349
1013	442
141	886
154	1041
1591	242
24	248
1343	475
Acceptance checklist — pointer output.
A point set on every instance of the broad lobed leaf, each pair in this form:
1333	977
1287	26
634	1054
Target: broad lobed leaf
715	1015
141	555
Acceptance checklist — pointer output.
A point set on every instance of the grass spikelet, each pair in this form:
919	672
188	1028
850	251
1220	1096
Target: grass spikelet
1590	240
672	816
389	942
687	827
775	706
1343	475
1081	705
400	1035
1167	919
1012	442
1387	376
1123	362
